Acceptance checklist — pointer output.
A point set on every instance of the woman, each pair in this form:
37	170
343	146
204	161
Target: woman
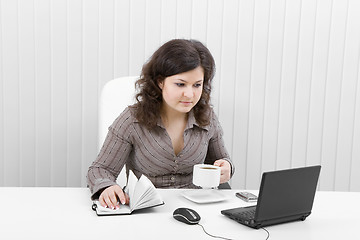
171	128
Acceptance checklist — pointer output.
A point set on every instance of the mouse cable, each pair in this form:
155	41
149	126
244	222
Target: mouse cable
213	235
268	234
267	237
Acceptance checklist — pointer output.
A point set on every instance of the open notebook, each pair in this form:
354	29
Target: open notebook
142	193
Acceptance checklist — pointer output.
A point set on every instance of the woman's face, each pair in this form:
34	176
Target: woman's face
182	91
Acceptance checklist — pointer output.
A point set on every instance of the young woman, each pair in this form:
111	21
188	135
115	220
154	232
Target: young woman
171	128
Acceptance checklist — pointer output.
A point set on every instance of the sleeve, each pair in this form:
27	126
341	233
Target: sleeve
216	149
112	157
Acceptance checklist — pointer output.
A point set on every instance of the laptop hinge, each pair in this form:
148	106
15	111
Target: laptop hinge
269	222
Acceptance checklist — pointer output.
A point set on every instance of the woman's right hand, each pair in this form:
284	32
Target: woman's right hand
111	195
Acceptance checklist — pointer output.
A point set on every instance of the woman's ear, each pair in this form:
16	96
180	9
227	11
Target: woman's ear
161	84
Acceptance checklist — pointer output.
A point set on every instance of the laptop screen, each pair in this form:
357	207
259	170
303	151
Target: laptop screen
287	192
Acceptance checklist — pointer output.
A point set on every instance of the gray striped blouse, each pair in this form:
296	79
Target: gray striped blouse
150	152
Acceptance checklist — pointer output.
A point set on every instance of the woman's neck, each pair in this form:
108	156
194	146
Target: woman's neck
169	117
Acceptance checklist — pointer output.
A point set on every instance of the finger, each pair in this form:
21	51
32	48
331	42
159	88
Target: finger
225	176
222	180
127	198
113	199
107	201
119	192
220	163
102	201
217	163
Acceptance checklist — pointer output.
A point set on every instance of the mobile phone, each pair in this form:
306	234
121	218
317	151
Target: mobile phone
246	196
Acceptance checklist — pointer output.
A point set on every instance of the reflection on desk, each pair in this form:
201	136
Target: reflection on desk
65	213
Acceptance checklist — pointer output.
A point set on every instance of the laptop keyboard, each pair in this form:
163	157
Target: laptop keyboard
246	215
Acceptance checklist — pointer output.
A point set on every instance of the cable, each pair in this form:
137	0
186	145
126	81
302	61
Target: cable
268	234
213	235
267	237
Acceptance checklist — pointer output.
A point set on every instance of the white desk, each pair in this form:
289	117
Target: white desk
65	213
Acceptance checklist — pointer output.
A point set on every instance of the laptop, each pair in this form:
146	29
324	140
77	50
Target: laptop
284	196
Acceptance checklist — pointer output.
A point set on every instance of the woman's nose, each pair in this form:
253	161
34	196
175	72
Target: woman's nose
188	92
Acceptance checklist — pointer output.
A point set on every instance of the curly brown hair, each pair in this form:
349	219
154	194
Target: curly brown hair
173	57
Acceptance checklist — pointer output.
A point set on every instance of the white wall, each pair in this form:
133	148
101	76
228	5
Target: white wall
286	88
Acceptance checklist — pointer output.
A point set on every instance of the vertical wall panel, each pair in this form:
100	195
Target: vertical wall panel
318	83
169	20
348	90
58	31
355	152
214	43
122	40
243	52
303	83
333	93
2	138
106	42
257	90
90	79
42	92
227	76
27	93
286	88
11	85
288	83
199	20
152	27
137	36
74	89
184	14
273	84
354	6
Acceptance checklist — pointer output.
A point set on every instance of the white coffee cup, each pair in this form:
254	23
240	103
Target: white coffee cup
206	175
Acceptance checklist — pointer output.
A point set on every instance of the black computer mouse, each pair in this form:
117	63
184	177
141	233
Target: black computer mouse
186	215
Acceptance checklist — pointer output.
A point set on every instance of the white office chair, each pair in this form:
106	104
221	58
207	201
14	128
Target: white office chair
115	96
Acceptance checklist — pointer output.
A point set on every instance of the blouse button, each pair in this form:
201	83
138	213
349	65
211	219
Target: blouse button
172	178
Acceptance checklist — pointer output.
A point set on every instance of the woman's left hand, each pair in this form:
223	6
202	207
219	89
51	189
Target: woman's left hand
225	170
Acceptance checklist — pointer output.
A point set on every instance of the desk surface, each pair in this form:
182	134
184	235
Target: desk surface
65	213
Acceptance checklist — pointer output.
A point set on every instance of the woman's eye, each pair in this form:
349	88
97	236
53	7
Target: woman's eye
179	84
197	85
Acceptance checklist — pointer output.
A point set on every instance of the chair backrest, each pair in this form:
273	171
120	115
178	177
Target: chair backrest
115	96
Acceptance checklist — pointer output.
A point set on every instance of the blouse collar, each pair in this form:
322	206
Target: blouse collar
190	123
